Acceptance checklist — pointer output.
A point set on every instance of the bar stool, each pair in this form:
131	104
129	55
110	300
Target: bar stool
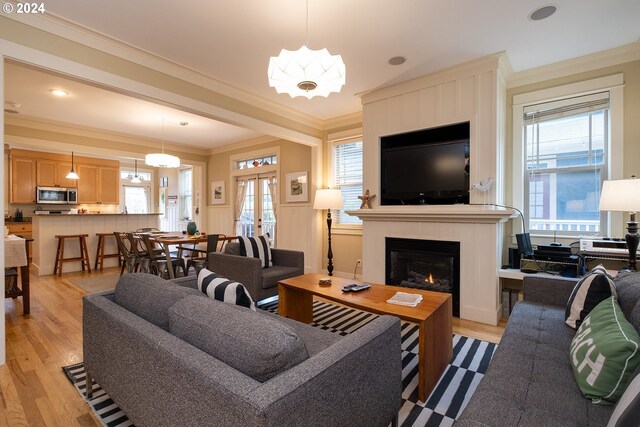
100	255
84	254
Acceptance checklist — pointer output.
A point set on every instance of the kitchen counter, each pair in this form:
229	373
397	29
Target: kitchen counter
46	227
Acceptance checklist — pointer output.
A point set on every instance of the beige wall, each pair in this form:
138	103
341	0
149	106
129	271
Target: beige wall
631	71
293	158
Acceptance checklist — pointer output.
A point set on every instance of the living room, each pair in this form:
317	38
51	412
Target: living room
304	139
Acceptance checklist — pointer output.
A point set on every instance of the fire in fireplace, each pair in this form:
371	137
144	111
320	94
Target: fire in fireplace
432	265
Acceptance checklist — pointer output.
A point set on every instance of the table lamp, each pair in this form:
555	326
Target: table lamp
624	196
328	199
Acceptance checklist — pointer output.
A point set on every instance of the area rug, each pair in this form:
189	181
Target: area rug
96	283
470	360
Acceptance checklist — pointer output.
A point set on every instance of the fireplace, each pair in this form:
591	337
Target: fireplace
432	265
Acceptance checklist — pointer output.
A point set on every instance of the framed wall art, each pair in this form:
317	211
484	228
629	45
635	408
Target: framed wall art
217	192
297	187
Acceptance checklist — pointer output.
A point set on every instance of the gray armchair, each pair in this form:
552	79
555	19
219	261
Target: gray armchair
260	282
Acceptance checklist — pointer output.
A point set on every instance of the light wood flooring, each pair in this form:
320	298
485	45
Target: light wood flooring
35	391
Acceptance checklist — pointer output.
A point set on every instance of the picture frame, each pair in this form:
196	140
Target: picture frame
164	181
297	187
217	193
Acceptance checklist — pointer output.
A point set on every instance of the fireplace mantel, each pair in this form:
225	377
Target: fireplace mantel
474	214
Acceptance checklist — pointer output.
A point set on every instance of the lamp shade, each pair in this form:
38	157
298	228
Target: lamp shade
328	199
162	160
620	195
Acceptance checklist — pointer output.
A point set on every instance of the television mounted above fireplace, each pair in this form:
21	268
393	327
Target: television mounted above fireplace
429	166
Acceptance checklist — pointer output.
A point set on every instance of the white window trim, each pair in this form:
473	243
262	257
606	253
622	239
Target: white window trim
342	138
614	84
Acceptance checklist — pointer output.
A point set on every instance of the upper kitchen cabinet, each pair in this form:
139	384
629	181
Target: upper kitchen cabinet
23	180
52	173
98	184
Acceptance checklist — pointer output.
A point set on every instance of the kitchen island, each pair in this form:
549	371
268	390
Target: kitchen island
46	227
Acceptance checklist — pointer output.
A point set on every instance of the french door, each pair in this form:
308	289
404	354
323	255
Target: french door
258	212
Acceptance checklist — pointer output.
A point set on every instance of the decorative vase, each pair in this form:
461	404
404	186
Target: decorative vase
191	228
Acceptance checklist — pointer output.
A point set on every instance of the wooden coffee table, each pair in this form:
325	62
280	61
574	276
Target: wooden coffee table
432	314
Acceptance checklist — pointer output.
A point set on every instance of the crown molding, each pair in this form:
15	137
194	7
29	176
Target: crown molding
352	120
605	58
75	32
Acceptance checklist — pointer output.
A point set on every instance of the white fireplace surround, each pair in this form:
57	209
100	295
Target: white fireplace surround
476	93
475	227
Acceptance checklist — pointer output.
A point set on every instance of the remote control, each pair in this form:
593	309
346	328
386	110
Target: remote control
349	288
359	288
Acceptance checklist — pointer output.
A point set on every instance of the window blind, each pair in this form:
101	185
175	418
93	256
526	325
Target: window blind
566	107
347	166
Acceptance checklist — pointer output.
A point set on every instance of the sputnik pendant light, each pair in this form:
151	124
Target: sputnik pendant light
162	160
72	173
306	72
136	179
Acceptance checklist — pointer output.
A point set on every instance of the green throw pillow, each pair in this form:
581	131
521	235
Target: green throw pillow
604	353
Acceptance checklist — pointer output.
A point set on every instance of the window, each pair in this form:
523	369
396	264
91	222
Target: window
566	146
186	198
257	162
347	176
136	199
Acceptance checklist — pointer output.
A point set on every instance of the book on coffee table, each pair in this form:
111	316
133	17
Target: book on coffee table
405	298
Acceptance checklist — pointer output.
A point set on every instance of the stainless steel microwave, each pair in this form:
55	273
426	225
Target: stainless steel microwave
56	195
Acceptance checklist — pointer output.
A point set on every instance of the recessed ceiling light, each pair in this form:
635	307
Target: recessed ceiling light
59	92
397	60
184	123
542	13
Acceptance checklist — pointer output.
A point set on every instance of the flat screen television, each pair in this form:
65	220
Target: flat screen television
426	167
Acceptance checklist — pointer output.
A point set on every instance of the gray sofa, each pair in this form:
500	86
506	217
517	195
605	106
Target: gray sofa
260	282
529	381
133	349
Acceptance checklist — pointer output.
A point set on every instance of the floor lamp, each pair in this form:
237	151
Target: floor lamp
624	196
328	199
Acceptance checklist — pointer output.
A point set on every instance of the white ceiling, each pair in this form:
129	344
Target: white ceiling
233	40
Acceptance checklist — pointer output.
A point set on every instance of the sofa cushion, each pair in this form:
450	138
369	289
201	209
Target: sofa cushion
272	275
628	290
592	289
604	353
256	247
251	342
627	410
222	289
150	296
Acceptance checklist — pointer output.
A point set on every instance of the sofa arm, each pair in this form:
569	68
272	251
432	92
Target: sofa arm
188	282
547	290
247	271
288	258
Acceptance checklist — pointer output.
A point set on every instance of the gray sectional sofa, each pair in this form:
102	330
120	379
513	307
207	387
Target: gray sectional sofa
529	381
148	344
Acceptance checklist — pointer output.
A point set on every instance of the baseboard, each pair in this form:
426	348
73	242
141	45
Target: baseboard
490	317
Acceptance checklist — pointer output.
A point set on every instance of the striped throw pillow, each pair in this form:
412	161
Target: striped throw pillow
590	291
222	289
256	247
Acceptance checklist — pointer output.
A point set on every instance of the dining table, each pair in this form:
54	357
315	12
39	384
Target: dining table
16	254
167	239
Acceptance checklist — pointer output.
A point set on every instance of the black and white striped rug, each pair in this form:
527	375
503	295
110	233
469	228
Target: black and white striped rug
467	367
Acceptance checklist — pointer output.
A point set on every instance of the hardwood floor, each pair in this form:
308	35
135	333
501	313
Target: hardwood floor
35	391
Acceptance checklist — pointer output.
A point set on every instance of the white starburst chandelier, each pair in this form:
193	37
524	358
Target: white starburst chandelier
306	72
162	160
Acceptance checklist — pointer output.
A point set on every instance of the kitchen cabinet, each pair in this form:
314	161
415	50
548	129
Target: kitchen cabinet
98	185
22	229
51	173
23	180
